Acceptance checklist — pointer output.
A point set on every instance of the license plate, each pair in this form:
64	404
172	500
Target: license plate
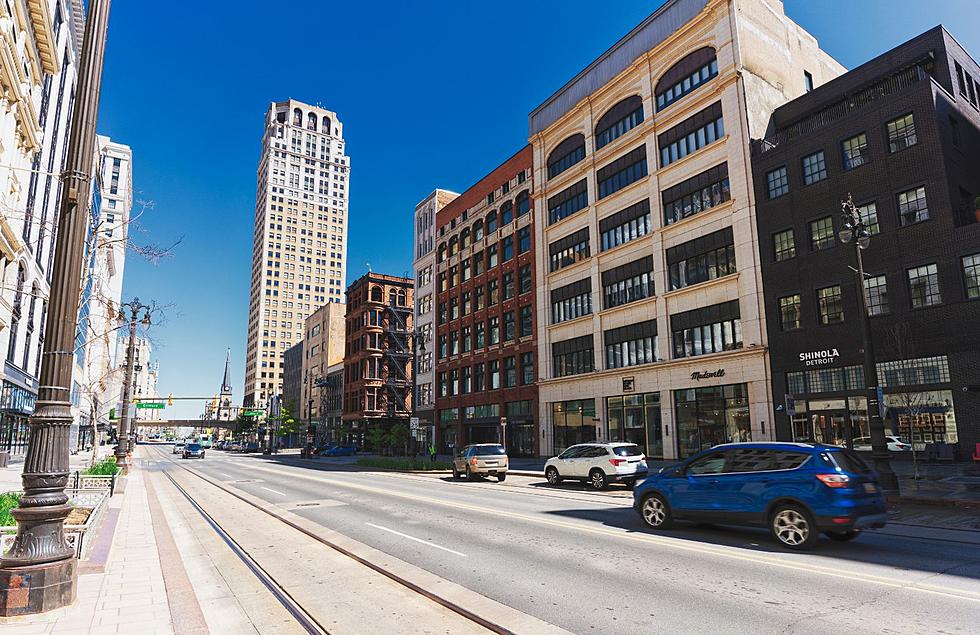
491	462
870	488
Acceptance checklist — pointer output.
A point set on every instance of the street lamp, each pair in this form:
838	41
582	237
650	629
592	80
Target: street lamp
124	447
854	231
418	347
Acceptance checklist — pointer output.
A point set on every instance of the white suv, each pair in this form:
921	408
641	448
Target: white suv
598	464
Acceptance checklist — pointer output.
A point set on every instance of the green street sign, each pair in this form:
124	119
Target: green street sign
253	413
152	405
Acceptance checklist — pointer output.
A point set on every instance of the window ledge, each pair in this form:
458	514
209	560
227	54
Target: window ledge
560	325
652	300
701	285
638	241
708	213
679	162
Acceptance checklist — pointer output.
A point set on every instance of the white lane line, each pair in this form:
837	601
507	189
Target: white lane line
419	540
271	490
226	475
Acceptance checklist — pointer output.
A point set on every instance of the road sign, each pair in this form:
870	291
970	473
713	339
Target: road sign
151	405
790	405
253	413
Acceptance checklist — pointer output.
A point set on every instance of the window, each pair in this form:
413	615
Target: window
624	226
696	194
569	250
479	338
565	155
527	321
524	240
687	75
453	308
491	222
971	272
465	269
830	305
492	294
443	386
508	281
508	250
508	326
568	201
855	151
711	329
631	345
523	202
706	258
510	372
443	347
467	336
492	256
506	213
876	295
789	312
478	261
777	182
619	120
807	81
478	230
784	245
901	133
478	303
959	78
622	172
478	374
814	168
912	206
467	302
494	382
493	325
454	343
466	385
822	234
527	369
573	357
691	135
524	279
924	286
869	216
628	283
571	301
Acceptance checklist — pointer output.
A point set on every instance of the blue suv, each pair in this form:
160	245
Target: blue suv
797	490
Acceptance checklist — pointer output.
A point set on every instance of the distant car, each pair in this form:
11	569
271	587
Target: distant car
233	446
339	450
797	490
598	464
895	444
323	447
481	459
193	451
178	448
249	447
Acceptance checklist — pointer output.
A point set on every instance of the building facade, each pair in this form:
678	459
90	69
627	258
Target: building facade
649	301
331	408
485	330
323	347
292	379
299	258
377	353
901	135
424	312
145	373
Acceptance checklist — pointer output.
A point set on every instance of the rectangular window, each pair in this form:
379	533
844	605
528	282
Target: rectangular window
784	245
494	382
478	303
508	250
702	259
509	290
493	325
631	345
971	273
625	225
453	308
697	194
568	201
527	321
901	133
830	306
912	206
571	301
467	336
478	267
465	269
855	151
524	239
506	213
524	279
492	256
479	337
527	369
691	135
467	303
569	250
493	295
807	81
869	217
509	333
510	372
924	286
466	383
710	329
822	234
628	283
478	375
454	343
622	172
777	182
814	168
876	295
789	312
573	357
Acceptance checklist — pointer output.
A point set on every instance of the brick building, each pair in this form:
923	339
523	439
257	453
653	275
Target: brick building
485	350
901	134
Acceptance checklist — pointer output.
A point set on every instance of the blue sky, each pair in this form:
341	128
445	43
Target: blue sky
432	94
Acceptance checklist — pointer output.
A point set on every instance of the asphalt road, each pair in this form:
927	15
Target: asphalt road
585	562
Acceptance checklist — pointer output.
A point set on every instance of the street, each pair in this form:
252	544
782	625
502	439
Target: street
584	561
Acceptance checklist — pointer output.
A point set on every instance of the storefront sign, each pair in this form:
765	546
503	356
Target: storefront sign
708	374
820	358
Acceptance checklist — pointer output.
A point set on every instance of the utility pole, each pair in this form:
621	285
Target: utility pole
40	564
124	447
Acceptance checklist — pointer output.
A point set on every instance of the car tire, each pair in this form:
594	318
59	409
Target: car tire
793	527
456	474
501	477
470	476
553	477
656	512
843	536
597	479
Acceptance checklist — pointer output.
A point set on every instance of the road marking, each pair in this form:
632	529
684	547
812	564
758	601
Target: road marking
226	475
673	543
271	490
419	540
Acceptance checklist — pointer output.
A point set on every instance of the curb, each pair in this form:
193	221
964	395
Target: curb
934	502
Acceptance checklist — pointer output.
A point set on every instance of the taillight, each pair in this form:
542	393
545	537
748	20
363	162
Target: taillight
616	462
834	480
473	461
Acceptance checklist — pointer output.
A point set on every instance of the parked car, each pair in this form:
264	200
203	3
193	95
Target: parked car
323	447
233	446
895	444
797	490
249	447
193	451
481	459
339	450
598	464
178	447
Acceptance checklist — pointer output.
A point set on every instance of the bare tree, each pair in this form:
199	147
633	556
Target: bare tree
900	344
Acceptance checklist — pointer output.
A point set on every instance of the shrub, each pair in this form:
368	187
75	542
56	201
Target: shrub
419	464
8	501
105	467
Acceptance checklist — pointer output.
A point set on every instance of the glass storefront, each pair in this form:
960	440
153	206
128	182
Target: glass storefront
636	419
16	406
711	415
573	422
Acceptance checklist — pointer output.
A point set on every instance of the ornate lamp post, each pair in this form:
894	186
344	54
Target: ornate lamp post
853	231
125	446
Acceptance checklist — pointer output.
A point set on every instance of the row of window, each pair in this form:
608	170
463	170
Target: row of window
485	260
469	235
480	297
487	376
481	334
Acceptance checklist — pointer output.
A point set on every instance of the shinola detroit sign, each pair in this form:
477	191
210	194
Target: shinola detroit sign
820	358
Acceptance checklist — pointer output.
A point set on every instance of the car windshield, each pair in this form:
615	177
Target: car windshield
627	450
849	461
485	450
193	447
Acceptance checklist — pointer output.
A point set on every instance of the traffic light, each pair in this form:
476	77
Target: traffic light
170	399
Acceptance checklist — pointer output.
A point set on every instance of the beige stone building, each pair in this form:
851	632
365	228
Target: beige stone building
299	257
323	347
649	307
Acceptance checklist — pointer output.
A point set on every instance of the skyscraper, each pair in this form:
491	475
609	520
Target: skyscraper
299	257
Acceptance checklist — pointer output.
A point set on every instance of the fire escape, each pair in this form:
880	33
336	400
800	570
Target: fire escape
394	399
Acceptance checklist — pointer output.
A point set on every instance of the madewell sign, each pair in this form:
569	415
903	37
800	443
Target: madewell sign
820	358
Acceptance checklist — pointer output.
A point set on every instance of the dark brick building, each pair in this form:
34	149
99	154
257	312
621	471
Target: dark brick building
901	134
485	331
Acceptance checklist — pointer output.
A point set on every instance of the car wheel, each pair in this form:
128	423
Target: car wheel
470	476
597	479
793	527
501	477
552	475
456	474
843	536
656	513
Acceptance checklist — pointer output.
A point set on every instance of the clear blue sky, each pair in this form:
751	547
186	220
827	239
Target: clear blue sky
432	94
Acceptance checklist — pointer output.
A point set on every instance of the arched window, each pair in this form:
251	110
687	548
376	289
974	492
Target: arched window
491	222
392	297
619	120
566	154
441	255
464	238
297	117
311	121
523	203
686	76
478	230
401	297
35	292
326	125
453	246
377	295
506	213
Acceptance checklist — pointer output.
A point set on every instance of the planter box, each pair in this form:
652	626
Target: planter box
94	499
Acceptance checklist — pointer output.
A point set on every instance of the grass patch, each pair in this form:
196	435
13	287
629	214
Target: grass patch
414	465
7	502
105	467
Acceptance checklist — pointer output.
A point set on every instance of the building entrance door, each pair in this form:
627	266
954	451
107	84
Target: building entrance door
830	427
520	439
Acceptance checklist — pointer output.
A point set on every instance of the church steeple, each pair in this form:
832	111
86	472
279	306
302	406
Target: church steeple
226	381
